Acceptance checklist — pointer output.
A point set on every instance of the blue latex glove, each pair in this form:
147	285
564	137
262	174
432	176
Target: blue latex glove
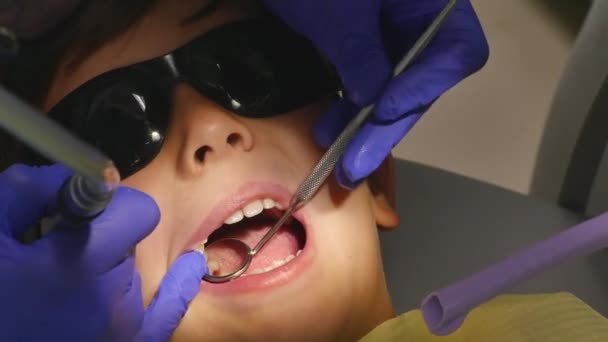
365	39
81	284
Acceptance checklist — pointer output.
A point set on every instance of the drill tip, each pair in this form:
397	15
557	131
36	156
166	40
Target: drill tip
111	176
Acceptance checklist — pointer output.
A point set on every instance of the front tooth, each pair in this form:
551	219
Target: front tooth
253	208
289	258
299	252
268	203
278	263
200	248
213	267
234	218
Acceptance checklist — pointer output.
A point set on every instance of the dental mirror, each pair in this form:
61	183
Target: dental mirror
228	259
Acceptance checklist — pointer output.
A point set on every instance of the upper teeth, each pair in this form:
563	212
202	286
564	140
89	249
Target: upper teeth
251	209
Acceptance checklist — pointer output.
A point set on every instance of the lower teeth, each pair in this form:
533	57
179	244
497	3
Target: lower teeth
276	264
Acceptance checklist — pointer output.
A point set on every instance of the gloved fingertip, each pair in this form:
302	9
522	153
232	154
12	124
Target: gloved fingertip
373	143
196	261
344	179
400	101
140	204
177	289
367	150
186	274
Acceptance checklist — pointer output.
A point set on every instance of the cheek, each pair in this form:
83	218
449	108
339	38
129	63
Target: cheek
292	128
150	265
152	253
291	136
347	240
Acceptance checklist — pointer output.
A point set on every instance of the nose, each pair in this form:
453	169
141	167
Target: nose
204	131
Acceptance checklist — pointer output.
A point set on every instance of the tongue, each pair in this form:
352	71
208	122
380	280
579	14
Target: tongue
279	247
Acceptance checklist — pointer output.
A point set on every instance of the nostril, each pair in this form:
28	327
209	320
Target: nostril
233	139
201	152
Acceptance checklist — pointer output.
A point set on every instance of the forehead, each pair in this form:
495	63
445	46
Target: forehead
159	31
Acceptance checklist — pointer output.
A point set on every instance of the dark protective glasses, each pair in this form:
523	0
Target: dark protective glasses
255	68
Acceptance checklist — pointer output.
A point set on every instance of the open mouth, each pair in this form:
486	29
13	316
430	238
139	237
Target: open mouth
249	225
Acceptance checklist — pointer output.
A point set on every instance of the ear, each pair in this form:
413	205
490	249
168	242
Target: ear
382	186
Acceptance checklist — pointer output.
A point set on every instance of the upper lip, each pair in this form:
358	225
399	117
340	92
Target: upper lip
234	201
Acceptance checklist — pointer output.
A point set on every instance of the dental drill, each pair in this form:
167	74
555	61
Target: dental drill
85	194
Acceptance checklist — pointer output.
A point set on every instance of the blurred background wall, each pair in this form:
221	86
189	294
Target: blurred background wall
490	126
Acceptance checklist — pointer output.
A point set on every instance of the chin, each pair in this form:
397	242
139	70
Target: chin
291	322
305	286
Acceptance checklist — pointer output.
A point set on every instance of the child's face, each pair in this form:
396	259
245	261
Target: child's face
334	289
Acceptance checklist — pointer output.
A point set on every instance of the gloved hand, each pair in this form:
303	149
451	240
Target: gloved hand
80	283
365	39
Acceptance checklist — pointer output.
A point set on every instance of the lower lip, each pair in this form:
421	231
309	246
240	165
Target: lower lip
268	280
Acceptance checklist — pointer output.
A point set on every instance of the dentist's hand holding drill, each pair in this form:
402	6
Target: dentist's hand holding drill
80	283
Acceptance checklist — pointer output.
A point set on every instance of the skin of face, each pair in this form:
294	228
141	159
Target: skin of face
340	292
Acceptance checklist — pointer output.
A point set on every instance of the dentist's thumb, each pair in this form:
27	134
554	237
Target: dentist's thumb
179	286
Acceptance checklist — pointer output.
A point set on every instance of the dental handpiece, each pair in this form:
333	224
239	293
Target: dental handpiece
86	193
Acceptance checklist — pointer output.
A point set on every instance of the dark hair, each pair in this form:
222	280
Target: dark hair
91	25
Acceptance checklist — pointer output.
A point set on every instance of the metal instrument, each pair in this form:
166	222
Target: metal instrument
323	169
87	192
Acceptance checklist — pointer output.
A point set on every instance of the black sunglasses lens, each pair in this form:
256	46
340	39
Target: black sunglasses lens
121	115
257	68
129	124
